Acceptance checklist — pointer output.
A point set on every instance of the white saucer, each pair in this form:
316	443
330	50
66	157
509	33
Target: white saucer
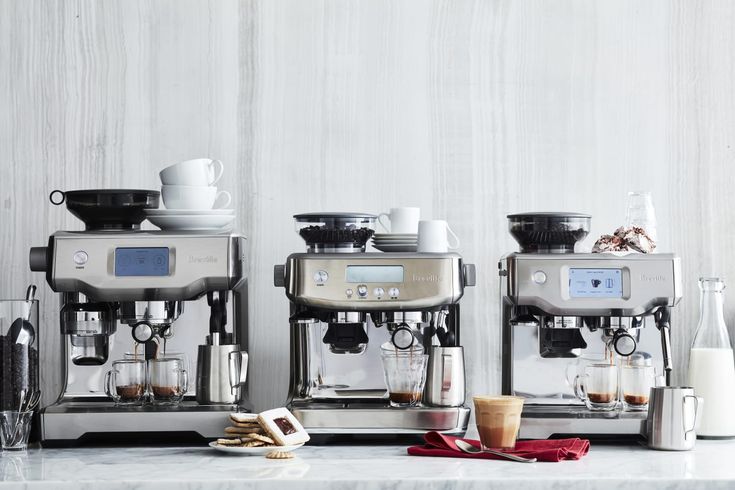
188	212
395	248
193	222
396	235
396	242
253	451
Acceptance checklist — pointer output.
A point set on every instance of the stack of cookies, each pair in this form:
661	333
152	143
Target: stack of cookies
272	428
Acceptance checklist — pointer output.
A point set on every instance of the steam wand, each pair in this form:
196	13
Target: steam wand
662	317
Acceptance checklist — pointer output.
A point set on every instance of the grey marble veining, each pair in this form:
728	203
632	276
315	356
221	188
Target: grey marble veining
363	467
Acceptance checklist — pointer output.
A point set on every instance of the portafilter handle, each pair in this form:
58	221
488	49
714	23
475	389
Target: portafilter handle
662	317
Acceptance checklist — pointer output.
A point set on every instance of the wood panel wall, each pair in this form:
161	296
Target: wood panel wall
469	109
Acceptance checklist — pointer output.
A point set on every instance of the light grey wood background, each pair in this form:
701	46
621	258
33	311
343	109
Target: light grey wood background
469	109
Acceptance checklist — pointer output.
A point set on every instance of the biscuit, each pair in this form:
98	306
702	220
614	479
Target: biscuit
244	418
229	442
279	455
243	430
262	438
282	427
252	443
245	424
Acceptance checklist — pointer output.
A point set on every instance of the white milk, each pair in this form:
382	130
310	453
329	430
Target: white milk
712	375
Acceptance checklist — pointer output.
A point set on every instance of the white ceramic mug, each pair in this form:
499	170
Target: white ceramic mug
200	171
434	237
402	220
193	197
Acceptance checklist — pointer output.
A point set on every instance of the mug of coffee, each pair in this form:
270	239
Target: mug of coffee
498	419
434	237
598	386
193	197
637	382
167	380
197	172
401	220
125	382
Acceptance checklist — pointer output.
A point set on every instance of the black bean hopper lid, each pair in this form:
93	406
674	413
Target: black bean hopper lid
548	232
335	232
108	209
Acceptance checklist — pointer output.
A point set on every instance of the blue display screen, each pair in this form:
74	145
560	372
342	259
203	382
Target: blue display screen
596	283
141	261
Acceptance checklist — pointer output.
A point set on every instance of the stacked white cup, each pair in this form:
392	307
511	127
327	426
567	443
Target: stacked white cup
191	185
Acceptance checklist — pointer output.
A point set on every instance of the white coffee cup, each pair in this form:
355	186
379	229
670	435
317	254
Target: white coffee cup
193	197
402	220
200	171
434	237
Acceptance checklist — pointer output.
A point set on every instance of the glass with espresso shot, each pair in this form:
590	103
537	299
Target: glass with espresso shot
498	419
167	380
125	382
405	376
598	386
637	382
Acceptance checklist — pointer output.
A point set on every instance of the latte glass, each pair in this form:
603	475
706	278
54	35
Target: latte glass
498	420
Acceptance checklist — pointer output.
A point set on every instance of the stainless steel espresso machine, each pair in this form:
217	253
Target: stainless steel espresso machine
122	292
345	304
562	310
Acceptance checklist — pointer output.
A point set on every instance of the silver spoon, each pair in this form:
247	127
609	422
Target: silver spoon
468	448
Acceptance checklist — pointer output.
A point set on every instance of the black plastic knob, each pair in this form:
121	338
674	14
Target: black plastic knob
38	259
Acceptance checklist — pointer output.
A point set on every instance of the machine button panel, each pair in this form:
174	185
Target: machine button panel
379	292
539	277
321	277
394	292
362	291
80	257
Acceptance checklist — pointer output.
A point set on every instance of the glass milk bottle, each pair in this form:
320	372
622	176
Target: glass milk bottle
711	367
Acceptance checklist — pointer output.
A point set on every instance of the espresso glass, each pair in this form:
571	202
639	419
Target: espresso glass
637	382
167	380
498	420
405	377
598	386
125	382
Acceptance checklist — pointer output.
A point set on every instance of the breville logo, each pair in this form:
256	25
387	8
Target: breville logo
428	278
206	259
656	278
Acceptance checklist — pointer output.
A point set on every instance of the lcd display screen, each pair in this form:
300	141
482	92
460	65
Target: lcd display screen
141	261
595	283
374	273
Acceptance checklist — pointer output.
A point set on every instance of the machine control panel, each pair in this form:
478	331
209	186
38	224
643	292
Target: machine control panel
375	281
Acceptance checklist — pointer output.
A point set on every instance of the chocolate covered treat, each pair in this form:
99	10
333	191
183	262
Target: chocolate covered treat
632	239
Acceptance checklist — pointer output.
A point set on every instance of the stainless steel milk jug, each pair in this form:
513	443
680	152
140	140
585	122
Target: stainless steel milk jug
445	377
673	413
221	374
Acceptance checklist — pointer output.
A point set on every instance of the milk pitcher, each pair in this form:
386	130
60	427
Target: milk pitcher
445	377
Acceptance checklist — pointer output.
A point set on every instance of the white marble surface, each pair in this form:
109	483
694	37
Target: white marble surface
362	467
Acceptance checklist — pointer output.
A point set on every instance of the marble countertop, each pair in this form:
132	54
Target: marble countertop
710	465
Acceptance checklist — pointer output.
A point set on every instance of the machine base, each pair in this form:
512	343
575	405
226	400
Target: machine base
78	422
371	419
554	421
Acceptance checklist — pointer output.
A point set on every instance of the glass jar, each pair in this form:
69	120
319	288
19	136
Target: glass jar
640	213
711	366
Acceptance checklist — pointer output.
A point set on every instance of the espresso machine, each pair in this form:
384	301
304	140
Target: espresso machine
345	304
561	310
122	292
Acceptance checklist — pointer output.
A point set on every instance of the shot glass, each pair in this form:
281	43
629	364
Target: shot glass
15	427
167	380
498	420
125	382
405	377
637	382
598	386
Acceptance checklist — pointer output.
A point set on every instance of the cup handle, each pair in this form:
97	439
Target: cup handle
219	169
183	382
579	390
386	228
243	367
227	203
453	235
683	410
109	379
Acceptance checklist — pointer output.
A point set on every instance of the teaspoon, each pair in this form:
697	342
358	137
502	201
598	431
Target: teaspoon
470	449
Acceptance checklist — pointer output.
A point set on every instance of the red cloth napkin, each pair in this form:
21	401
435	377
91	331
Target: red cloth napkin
549	450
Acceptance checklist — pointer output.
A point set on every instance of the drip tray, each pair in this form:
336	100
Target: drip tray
375	418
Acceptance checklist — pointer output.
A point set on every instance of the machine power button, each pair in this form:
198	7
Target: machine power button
539	277
320	277
379	292
362	291
80	257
